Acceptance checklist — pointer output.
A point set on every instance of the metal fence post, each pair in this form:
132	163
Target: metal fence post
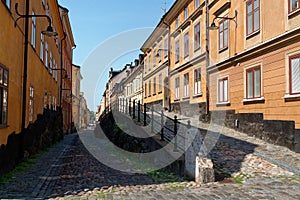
175	132
129	107
126	108
133	109
145	114
162	126
152	119
139	111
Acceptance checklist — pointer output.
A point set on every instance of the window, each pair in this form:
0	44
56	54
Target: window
177	22
55	71
149	63
154	85
186	12
177	51
253	82
33	30
50	63
166	47
154	58
3	96
197	81
31	111
197	4
223	90
186	45
47	9
45	99
54	103
43	2
295	74
197	37
223	34
149	93
42	47
159	52
177	88
252	16
46	55
160	83
294	5
145	90
186	85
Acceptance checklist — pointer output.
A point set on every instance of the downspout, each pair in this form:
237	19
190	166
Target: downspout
207	55
23	121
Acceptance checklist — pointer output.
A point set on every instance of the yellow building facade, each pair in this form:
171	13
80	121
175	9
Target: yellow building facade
230	62
156	67
42	85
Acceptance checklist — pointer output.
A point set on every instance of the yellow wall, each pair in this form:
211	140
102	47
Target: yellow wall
11	56
274	62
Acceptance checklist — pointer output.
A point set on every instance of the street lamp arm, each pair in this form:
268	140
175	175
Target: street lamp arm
213	25
30	16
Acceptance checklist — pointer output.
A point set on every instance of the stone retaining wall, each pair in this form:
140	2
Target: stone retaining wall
44	132
278	132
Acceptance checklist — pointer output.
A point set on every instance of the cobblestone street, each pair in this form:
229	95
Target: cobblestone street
69	171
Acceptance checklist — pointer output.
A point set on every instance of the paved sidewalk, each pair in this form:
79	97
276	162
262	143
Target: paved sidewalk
277	155
34	181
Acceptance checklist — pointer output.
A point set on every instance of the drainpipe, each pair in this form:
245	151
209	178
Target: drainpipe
207	55
23	120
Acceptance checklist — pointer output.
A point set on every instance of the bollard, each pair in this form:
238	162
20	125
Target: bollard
152	119
162	126
189	124
133	109
129	107
145	114
175	133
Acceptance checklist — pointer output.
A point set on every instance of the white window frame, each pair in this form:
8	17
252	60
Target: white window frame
33	30
46	54
177	88
223	90
186	85
186	39
197	81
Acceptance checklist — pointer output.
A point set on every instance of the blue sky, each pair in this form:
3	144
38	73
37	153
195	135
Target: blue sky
98	22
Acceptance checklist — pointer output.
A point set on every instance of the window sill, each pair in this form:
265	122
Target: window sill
294	13
185	98
197	49
252	34
254	100
290	97
177	99
4	126
227	103
197	95
224	49
159	92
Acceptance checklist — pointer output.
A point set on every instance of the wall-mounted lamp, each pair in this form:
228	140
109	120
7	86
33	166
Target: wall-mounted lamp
158	52
213	26
48	32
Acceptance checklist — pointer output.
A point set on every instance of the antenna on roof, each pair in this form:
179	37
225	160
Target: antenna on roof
164	8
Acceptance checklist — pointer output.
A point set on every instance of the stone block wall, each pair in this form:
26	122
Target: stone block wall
45	131
276	132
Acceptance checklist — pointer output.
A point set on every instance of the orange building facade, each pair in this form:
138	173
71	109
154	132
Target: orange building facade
29	78
230	62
